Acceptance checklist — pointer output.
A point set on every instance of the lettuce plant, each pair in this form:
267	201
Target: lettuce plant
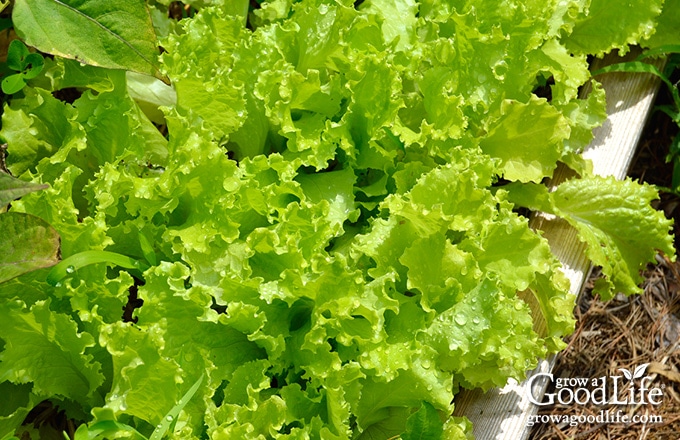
326	243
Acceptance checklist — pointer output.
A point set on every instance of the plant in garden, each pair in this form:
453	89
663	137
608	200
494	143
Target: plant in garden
322	241
26	65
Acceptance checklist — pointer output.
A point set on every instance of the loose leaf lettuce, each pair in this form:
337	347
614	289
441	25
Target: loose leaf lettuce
28	243
622	231
330	252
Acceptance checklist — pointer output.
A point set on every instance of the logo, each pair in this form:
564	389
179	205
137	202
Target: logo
605	390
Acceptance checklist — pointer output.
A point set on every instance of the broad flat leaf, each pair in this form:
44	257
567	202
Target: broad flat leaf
12	188
27	243
13	83
424	424
116	34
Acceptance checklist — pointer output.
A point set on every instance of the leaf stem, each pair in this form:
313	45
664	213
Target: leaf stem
82	259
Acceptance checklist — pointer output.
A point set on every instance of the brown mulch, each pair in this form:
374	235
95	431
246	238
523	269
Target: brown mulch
624	333
627	332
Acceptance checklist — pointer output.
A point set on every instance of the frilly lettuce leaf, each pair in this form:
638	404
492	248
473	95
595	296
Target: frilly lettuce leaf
35	337
604	26
537	140
665	34
622	231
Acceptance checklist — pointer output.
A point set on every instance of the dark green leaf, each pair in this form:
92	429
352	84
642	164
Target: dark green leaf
33	65
27	243
15	55
12	188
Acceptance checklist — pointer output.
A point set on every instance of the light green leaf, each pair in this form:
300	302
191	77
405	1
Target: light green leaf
82	259
666	33
13	83
115	34
485	338
608	24
107	429
45	347
171	418
150	93
389	427
620	227
527	139
379	398
27	243
146	383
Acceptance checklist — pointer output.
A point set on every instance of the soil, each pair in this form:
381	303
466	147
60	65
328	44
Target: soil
628	332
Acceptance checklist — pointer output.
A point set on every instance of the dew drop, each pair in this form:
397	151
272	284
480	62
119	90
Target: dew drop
58	284
169	418
475	320
70	269
460	320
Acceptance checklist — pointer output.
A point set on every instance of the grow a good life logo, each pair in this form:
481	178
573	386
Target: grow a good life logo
603	390
633	387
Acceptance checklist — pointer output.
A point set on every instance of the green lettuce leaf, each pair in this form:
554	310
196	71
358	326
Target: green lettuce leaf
28	244
35	337
614	218
536	131
604	26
